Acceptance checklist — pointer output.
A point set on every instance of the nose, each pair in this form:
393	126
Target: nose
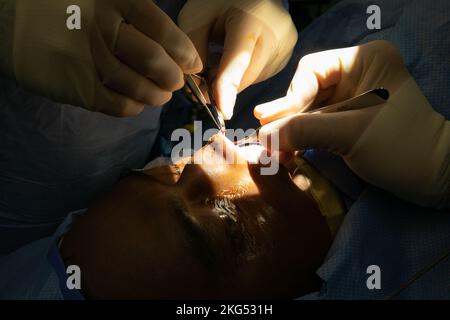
217	168
220	151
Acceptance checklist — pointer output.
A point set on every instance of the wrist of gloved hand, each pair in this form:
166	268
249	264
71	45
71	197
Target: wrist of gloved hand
406	149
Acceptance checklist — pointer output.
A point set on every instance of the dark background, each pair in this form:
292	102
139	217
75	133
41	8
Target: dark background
303	12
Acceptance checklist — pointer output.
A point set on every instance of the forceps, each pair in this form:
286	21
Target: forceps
212	111
367	99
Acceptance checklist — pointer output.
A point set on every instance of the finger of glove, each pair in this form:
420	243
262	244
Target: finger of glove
114	104
148	58
122	79
241	37
316	78
148	18
334	132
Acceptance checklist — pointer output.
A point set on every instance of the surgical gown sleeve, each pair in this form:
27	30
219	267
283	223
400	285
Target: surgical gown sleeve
36	270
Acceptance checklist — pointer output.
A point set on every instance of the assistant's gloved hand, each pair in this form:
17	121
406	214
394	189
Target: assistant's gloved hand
258	38
128	53
402	146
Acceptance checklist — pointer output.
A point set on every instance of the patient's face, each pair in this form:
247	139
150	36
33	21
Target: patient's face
201	231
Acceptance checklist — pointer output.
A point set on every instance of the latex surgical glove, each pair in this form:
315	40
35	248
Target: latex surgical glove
258	38
127	54
402	146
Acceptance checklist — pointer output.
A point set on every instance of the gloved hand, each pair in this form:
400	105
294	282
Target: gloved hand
128	53
258	38
402	146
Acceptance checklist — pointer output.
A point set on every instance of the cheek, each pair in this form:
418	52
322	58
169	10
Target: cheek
175	273
260	220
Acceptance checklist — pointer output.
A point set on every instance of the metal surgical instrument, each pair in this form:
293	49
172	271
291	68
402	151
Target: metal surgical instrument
212	110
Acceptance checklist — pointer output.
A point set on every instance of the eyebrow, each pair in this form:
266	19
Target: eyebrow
198	240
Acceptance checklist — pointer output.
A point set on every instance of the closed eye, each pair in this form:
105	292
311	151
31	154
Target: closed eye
197	238
229	213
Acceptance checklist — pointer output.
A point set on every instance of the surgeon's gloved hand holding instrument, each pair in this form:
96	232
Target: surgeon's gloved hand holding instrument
118	57
365	100
402	146
258	37
211	109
